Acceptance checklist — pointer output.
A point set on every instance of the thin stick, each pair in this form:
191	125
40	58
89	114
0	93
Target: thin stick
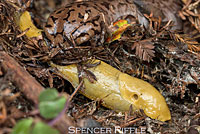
76	90
132	122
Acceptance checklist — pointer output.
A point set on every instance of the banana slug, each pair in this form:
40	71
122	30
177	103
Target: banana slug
119	90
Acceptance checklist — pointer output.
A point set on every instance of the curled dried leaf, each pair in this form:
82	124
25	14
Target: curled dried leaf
90	76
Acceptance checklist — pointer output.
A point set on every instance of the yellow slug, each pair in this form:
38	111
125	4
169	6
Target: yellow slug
119	91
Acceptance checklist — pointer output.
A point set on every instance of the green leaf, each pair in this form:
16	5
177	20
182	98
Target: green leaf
50	109
49	94
42	128
23	126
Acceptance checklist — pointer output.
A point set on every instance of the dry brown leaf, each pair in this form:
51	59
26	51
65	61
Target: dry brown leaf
144	49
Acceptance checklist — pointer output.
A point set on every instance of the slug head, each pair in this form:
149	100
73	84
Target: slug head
143	95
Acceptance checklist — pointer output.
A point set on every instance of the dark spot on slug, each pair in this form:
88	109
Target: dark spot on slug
48	26
88	11
80	16
95	31
78	5
53	18
66	19
60	32
68	14
96	18
106	5
73	21
59	11
82	35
